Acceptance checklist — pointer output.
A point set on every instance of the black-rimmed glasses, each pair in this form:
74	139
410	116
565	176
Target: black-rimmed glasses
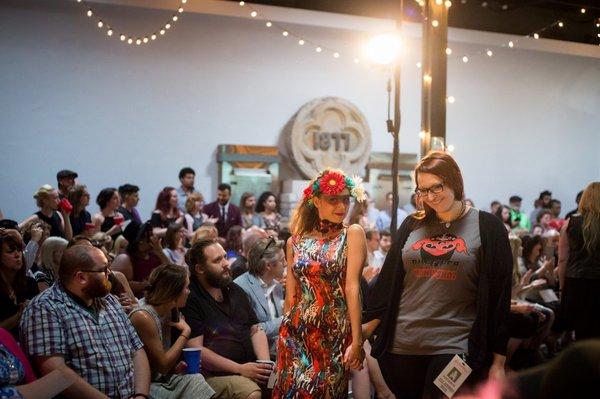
106	270
435	189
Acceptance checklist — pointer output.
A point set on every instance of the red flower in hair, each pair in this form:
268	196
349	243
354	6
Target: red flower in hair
308	192
332	183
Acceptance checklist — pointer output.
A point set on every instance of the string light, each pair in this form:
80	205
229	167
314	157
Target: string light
336	55
583	10
536	35
269	24
450	148
489	53
253	14
465	59
451	99
318	49
448	3
89	12
301	42
435	23
448	51
285	33
511	44
242	3
560	24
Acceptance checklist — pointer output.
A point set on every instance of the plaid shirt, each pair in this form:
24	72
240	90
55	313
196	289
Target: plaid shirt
99	350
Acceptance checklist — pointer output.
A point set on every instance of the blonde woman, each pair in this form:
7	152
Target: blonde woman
579	265
56	216
51	252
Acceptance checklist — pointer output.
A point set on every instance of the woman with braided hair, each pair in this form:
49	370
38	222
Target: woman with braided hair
320	334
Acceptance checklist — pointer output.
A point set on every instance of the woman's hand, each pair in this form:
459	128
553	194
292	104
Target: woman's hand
354	356
182	326
156	244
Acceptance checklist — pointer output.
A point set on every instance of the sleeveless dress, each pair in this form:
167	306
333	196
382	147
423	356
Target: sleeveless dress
316	332
173	386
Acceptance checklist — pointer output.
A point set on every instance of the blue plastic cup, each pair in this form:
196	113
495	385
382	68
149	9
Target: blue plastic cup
192	357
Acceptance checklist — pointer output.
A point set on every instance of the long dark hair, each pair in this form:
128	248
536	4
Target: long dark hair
14	240
529	242
445	167
498	214
162	203
260	206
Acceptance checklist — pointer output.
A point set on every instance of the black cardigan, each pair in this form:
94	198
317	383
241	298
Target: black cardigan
489	332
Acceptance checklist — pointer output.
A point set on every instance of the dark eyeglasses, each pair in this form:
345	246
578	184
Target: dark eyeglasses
435	189
271	242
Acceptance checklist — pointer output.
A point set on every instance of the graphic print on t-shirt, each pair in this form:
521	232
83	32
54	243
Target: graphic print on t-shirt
436	254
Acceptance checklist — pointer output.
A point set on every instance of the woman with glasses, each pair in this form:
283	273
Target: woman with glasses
16	288
320	335
266	266
444	289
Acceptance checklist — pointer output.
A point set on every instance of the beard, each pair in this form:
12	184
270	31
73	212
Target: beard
217	279
97	289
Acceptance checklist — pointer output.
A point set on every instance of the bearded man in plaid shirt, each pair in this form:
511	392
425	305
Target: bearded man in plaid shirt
76	324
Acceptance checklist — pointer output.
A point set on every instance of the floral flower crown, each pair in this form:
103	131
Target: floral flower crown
333	182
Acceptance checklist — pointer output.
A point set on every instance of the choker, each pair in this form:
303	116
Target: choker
325	226
462	210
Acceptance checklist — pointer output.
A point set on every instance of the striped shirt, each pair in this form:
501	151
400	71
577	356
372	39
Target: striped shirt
97	343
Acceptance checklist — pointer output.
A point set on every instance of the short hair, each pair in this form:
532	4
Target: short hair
75	258
384	233
165	284
128	189
442	165
264	250
545	193
185	171
49	247
515	198
104	196
224	186
370	233
42	193
252	235
190	202
555	201
195	255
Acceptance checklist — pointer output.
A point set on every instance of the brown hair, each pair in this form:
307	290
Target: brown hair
195	255
171	235
442	165
589	207
243	199
264	250
165	284
190	202
74	259
13	238
74	196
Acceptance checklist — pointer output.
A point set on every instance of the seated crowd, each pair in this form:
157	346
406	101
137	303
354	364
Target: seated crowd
105	305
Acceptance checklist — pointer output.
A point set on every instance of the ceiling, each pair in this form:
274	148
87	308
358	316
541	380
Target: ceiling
520	17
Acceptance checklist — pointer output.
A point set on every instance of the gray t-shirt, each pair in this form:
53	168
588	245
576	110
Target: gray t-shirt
437	308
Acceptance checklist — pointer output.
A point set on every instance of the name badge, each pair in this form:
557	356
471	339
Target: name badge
453	376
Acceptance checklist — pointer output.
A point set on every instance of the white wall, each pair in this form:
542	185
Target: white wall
71	98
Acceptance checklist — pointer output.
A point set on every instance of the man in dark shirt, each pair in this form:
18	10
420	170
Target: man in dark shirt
224	325
129	199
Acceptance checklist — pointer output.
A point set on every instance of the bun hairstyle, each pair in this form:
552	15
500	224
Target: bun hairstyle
165	284
442	165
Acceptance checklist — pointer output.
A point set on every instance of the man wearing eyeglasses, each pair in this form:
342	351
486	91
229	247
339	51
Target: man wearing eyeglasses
76	325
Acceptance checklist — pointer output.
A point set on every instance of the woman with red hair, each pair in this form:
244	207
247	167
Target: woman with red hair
166	211
444	289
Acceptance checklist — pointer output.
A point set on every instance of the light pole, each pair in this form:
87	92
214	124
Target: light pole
385	50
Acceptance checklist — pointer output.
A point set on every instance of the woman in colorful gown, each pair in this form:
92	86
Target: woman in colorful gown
320	335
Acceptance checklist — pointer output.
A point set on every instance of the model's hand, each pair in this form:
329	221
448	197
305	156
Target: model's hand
354	357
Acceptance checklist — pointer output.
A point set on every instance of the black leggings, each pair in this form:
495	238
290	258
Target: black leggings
412	376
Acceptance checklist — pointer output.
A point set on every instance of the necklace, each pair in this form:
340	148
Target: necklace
325	226
462	210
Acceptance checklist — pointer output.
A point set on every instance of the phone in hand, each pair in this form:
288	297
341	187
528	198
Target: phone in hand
175	315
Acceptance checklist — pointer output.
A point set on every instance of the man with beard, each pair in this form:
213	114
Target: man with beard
224	325
76	325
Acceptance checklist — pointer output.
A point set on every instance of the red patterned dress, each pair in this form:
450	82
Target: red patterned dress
316	332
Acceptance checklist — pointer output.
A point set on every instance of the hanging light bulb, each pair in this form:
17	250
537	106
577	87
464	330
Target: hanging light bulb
168	26
242	3
465	59
89	13
138	41
583	10
253	14
489	53
162	32
451	99
122	37
285	33
269	24
109	32
448	51
560	24
435	23
130	40
175	18
153	37
318	49
180	10
301	42
511	44
448	3
145	40
536	35
100	24
336	55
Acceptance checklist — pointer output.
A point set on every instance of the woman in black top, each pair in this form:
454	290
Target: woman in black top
579	266
15	287
79	197
444	289
47	200
108	220
166	211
